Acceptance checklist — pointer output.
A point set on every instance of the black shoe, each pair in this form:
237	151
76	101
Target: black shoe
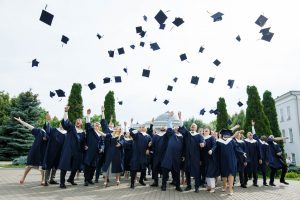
163	188
142	183
62	186
154	184
197	190
145	179
53	182
132	186
255	185
284	182
86	184
96	181
72	182
91	182
272	184
179	189
243	186
265	184
188	188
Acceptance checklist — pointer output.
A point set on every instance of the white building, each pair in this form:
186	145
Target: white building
288	111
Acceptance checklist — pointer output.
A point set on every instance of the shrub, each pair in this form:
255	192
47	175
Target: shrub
292	175
22	160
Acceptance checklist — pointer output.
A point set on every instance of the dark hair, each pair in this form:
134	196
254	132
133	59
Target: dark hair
263	138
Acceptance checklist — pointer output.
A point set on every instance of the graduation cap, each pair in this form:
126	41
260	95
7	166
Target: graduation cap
240	104
120	102
160	17
132	46
267	37
145	18
142	34
99	36
52	94
217	16
202	111
146	73
92	86
261	21
138	29
154	46
170	88
121	51
166	102
60	93
265	31
226	132
118	79
195	80
216	111
183	57
46	17
162	26
230	83
229	122
125	70
211	79
175	79
238	38
217	62
142	44
64	39
178	21
35	63
211	111
201	49
106	80
155	99
111	53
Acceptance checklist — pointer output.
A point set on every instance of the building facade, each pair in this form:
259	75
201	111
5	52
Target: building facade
288	111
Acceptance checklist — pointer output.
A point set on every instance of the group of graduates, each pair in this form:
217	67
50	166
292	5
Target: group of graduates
200	155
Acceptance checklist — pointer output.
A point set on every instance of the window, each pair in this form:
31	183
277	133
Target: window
283	134
281	115
288	111
293	158
291	135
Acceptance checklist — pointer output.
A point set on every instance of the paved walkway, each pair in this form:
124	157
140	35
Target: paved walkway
11	189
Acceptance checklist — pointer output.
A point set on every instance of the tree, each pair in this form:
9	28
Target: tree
4	109
55	122
75	103
239	118
109	106
188	123
96	118
255	112
222	117
16	139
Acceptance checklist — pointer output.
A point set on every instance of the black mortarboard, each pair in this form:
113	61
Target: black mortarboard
46	17
238	38
267	37
265	31
240	104
183	57
121	51
118	79
154	46
155	99
142	44
125	70
202	112
211	79
64	39
211	111
175	79
132	46
216	112
52	94
99	36
170	88
146	73
261	20
178	21
162	26
217	16
142	34
226	132
92	86
145	18
217	62
166	102
139	29
60	93
120	102
201	49
161	17
106	80
111	53
195	80
230	83
35	63
229	122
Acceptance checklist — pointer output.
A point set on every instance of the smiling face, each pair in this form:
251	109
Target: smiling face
238	135
193	127
250	135
97	126
142	128
78	123
206	131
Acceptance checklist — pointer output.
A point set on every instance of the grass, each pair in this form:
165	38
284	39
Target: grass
7	166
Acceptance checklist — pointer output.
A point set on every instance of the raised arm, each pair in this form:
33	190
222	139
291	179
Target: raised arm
235	127
30	127
66	124
102	112
182	129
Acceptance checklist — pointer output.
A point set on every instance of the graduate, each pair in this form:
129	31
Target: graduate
93	137
241	160
172	157
56	137
227	150
276	160
113	164
140	150
210	160
37	150
193	142
127	142
253	159
73	147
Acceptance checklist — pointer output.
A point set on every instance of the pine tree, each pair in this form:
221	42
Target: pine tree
222	117
188	123
109	106
75	103
255	112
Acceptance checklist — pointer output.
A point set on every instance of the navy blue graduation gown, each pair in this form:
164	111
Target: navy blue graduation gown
158	147
54	147
92	141
264	149
139	148
173	153
191	151
127	148
275	161
241	159
253	155
72	151
211	161
37	150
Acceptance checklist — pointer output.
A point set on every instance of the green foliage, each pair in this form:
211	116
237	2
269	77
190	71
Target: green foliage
4	107
22	160
75	103
109	106
189	122
238	118
55	122
96	118
292	175
222	117
255	112
213	125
